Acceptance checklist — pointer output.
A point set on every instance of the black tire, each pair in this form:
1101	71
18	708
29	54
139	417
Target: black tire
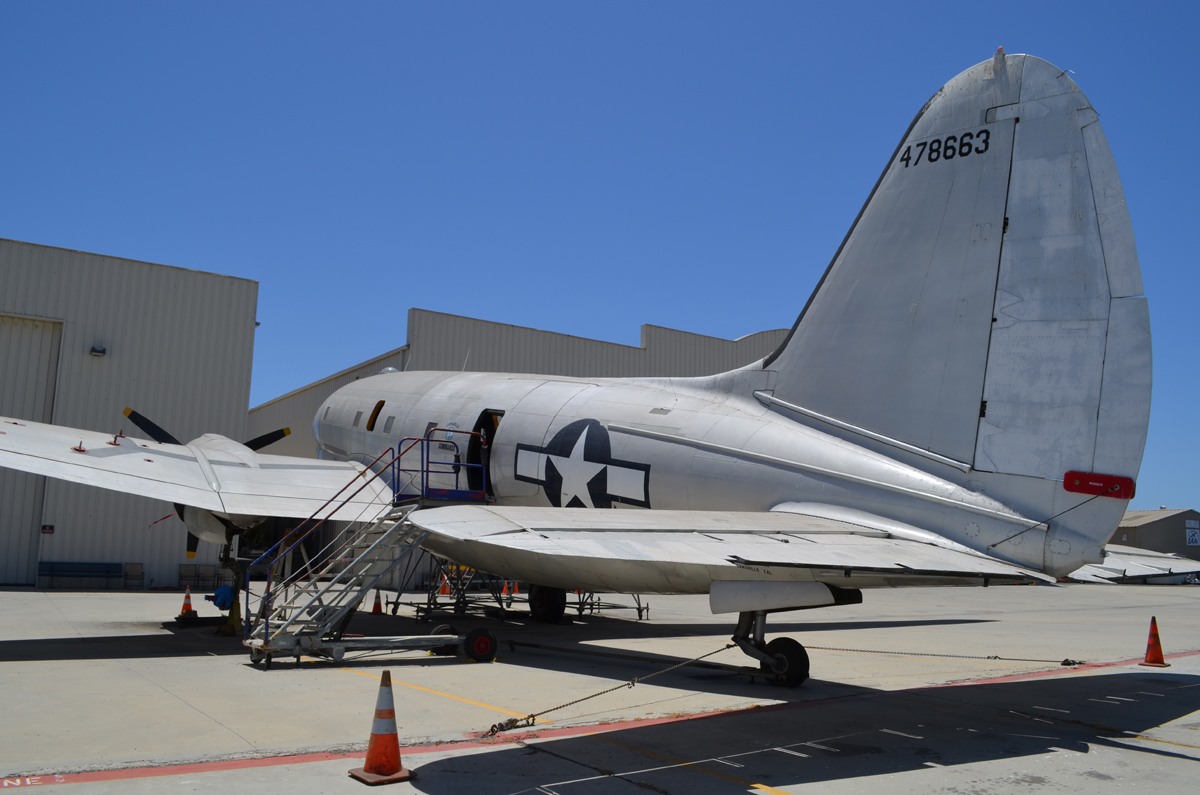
547	604
449	650
796	658
480	645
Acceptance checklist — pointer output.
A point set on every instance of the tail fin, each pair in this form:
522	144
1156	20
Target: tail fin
986	304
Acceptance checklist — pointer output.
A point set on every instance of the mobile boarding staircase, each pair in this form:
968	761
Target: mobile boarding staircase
307	611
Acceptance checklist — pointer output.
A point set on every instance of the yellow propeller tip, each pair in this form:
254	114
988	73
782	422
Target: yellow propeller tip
287	431
127	411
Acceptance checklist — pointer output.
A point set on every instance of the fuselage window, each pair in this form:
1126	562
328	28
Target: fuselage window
387	426
374	416
357	418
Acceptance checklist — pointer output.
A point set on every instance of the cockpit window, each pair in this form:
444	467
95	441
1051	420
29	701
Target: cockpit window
387	426
374	416
357	419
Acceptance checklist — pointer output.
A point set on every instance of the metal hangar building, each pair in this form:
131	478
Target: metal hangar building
438	341
82	336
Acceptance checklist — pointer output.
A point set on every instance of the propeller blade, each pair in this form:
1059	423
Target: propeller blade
149	428
259	442
192	544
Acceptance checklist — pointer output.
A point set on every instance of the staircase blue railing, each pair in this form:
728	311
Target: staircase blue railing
456	468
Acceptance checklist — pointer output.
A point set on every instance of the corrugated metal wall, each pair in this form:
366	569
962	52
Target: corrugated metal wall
297	409
29	364
179	348
448	342
1159	531
438	341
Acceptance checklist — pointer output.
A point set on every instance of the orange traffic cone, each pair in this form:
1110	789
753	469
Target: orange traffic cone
504	590
516	588
377	610
187	613
1154	655
445	587
383	765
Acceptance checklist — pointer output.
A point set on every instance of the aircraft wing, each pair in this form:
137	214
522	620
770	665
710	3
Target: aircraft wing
1123	563
212	473
600	546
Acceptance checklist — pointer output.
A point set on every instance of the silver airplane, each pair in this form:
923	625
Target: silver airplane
963	400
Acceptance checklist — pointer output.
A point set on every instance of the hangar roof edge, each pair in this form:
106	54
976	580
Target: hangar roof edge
127	259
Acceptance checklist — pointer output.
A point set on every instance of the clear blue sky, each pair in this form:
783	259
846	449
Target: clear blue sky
579	167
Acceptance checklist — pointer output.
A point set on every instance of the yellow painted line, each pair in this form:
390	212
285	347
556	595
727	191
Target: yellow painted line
693	765
1165	742
435	692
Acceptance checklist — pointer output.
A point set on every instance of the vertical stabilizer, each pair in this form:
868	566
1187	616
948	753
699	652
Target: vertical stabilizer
986	304
895	337
972	306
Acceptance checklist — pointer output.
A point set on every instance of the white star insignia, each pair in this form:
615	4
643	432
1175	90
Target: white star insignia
576	473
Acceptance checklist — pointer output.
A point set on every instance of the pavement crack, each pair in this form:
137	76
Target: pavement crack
188	704
603	772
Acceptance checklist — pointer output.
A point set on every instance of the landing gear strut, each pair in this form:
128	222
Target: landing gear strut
783	661
233	626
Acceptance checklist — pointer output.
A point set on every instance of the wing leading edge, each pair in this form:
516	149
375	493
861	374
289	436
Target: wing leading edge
212	472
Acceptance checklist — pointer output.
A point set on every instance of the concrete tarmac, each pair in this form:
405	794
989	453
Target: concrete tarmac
921	690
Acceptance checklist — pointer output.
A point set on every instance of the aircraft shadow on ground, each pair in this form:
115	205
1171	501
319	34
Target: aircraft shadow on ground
178	641
872	733
574	651
183	640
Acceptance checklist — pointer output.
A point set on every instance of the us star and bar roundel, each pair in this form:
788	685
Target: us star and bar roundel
577	470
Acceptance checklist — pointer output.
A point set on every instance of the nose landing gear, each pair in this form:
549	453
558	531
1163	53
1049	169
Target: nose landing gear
783	661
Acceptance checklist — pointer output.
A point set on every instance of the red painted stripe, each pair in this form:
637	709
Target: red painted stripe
478	741
385	713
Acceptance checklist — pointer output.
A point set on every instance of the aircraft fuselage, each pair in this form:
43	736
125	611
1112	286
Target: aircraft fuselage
669	443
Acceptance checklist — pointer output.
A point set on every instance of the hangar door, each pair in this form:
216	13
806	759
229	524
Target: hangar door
28	369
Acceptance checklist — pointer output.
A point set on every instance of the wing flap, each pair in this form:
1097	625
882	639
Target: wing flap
299	487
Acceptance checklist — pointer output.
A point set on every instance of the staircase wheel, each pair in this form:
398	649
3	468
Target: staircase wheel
480	645
449	650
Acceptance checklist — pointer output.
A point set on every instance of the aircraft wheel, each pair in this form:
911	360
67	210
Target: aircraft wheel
547	604
448	650
796	659
480	645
